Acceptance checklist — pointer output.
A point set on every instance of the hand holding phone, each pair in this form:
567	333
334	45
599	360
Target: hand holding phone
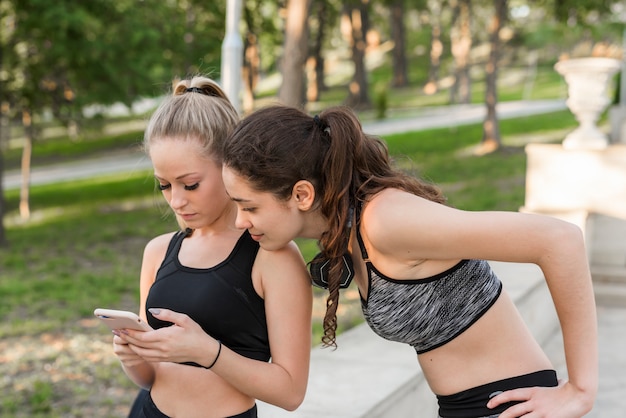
115	319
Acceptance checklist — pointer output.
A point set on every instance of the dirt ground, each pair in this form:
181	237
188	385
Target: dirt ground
74	373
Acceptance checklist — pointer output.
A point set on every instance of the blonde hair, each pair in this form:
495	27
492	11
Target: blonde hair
197	109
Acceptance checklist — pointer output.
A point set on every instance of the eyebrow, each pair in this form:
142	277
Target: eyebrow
177	178
239	199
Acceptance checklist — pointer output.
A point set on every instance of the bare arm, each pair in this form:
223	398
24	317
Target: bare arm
136	368
288	303
418	230
282	280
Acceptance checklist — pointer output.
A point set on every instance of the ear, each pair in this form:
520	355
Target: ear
303	193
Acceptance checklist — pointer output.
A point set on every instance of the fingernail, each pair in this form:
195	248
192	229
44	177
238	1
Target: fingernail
494	394
115	332
154	311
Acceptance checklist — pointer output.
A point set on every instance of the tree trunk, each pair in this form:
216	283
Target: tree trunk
292	90
315	62
436	47
400	77
251	69
357	17
461	46
26	158
491	130
3	133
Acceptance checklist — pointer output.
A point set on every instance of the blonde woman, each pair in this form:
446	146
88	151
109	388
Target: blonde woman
221	306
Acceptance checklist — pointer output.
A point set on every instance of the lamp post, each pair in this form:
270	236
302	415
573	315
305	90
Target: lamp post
622	90
232	54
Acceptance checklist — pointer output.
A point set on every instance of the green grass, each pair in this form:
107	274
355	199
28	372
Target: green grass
81	250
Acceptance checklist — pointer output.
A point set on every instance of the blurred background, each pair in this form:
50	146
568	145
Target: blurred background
79	79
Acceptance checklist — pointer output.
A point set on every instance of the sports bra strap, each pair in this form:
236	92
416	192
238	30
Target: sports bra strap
364	255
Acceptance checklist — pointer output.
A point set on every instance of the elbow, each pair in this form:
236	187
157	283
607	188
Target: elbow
568	234
293	401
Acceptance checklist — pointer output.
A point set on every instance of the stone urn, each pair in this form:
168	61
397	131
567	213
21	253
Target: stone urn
587	83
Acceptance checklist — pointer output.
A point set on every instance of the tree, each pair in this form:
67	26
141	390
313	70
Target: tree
356	15
436	46
251	56
292	89
61	65
66	55
6	55
400	67
491	130
262	37
461	46
315	62
573	11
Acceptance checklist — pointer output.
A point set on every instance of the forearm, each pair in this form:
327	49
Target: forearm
569	280
141	373
580	342
267	382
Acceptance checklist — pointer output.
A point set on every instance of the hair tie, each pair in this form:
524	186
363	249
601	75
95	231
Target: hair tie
196	90
325	128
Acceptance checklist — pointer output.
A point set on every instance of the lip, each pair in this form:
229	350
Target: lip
256	237
186	216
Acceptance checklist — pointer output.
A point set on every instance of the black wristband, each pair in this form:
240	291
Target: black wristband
219	350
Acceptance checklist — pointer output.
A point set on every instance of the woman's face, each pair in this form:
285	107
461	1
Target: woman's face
191	183
270	221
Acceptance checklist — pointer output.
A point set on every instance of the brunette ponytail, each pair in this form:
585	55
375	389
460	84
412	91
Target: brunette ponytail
275	147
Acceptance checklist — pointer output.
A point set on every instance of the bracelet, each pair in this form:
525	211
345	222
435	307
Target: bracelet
219	350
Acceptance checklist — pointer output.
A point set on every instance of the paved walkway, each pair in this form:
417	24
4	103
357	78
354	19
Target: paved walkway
611	401
427	118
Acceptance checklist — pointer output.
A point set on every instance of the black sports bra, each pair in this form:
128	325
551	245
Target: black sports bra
221	299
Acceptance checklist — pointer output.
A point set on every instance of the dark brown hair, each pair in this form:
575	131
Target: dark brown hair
275	147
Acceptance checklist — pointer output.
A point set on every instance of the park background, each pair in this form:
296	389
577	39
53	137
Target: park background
79	80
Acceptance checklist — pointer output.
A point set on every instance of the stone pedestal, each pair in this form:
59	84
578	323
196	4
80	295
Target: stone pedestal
587	81
587	188
617	117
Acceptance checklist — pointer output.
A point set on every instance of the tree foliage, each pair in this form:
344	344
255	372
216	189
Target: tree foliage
67	54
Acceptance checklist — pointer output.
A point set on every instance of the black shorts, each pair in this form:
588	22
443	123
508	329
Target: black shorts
472	403
150	410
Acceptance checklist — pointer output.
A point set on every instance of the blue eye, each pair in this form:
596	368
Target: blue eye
192	187
163	186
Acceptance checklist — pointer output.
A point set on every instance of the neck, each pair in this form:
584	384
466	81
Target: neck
315	225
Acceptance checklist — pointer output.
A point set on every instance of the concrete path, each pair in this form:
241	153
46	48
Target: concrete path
427	118
611	399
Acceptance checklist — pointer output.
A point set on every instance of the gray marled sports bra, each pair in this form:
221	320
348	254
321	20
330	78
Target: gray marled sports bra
427	313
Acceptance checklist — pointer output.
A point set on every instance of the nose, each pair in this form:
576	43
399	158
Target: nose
177	198
242	221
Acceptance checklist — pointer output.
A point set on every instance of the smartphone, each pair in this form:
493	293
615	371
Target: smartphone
115	319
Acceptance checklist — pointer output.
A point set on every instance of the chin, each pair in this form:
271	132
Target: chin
271	246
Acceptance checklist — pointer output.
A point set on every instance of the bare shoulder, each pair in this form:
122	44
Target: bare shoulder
394	210
280	267
156	248
289	256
